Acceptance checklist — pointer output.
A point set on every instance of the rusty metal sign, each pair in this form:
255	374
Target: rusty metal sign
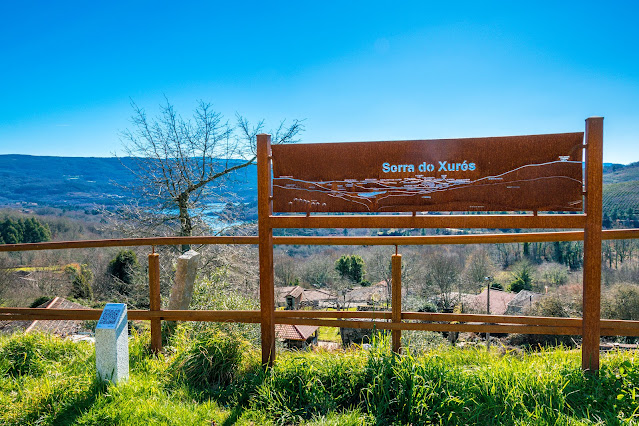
517	173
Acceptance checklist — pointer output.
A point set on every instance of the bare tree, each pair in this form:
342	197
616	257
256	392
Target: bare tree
478	266
285	271
178	163
319	271
442	274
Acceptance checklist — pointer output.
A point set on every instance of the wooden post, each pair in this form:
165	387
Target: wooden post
592	245
264	211
396	292
154	301
488	312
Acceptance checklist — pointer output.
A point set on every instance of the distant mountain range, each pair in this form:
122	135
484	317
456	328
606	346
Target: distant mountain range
87	182
84	182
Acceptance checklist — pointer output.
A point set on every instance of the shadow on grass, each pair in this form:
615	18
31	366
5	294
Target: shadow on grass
236	413
77	407
236	394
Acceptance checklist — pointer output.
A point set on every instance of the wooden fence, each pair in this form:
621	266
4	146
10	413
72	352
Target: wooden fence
587	227
396	320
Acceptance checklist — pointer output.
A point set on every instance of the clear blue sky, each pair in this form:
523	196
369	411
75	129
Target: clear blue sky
354	70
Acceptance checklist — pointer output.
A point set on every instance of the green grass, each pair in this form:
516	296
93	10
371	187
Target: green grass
330	334
48	381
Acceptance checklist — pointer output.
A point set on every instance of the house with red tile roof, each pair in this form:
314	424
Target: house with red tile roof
297	336
61	328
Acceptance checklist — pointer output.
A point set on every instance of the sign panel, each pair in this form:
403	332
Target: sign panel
111	314
517	173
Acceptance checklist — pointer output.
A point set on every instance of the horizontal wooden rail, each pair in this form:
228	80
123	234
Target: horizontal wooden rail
129	242
475	328
610	234
431	321
334	314
507	319
94	314
431	221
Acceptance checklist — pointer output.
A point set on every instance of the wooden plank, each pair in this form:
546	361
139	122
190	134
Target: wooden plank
502	319
254	316
608	234
396	299
620	324
592	245
129	242
619	234
608	327
94	314
333	314
155	301
474	328
435	239
515	173
264	211
490	221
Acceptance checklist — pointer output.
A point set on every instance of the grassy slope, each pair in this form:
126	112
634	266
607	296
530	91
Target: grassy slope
621	195
622	174
621	188
44	380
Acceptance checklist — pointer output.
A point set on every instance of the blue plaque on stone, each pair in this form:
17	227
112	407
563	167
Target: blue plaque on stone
110	315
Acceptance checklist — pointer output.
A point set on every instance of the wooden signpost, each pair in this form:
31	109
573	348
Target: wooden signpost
523	174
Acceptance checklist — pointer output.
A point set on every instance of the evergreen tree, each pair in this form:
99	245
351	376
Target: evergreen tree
29	230
124	268
81	281
351	267
522	278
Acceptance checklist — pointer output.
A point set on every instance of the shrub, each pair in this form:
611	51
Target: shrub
548	306
494	285
39	301
81	279
522	278
215	293
621	302
29	354
554	274
211	361
124	267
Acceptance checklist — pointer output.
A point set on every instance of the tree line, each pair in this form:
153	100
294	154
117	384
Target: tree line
23	230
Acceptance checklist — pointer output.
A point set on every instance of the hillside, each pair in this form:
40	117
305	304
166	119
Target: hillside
616	173
621	195
621	187
81	182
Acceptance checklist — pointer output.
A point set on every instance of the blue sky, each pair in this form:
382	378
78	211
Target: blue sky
353	70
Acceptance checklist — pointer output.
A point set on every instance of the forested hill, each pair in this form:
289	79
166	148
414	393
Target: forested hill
82	181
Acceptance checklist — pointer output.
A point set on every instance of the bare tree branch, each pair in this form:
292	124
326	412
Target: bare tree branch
177	162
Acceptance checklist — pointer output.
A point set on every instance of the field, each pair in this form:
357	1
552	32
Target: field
620	195
209	378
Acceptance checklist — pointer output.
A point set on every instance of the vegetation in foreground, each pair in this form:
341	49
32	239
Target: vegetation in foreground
208	377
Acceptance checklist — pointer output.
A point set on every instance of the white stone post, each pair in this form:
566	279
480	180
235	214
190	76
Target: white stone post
112	343
182	291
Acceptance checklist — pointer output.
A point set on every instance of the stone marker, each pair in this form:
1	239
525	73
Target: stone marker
182	291
112	343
